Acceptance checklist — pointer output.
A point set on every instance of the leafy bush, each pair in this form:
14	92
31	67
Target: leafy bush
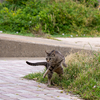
91	3
67	18
49	16
17	2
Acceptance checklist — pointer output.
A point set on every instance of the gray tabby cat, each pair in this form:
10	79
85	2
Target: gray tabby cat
54	62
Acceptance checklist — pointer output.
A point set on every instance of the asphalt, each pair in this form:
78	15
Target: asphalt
12	84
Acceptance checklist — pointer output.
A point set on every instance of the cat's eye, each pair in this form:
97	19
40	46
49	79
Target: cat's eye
49	58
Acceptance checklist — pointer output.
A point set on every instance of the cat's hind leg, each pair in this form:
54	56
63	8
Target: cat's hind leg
59	71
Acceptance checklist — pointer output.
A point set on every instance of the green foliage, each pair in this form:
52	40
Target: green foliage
17	2
82	76
91	3
68	18
37	76
87	82
50	16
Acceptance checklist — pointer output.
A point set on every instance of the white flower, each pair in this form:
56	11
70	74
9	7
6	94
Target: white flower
63	34
0	31
94	86
17	32
84	34
71	35
76	34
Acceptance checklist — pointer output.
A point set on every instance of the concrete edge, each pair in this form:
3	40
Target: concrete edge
20	46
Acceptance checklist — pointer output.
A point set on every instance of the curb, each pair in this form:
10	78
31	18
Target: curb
22	46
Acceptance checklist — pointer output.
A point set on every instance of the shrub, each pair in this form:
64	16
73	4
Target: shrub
67	18
89	3
17	2
49	16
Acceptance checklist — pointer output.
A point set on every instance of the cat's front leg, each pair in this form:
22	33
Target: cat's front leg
46	73
49	78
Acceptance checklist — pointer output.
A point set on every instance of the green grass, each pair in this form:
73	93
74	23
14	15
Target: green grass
75	36
18	33
82	76
48	36
33	35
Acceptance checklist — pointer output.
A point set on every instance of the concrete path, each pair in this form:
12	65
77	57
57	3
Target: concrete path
23	46
14	87
92	43
81	43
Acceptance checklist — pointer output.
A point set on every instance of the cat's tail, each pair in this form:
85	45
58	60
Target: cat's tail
38	63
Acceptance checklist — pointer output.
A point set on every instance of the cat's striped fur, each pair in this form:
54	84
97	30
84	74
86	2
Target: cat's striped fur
54	62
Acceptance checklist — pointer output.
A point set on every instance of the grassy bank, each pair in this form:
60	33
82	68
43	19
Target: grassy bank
82	76
77	18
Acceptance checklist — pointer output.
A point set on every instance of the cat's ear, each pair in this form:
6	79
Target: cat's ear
46	52
53	53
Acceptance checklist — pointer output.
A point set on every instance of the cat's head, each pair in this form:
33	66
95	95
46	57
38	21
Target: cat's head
50	56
